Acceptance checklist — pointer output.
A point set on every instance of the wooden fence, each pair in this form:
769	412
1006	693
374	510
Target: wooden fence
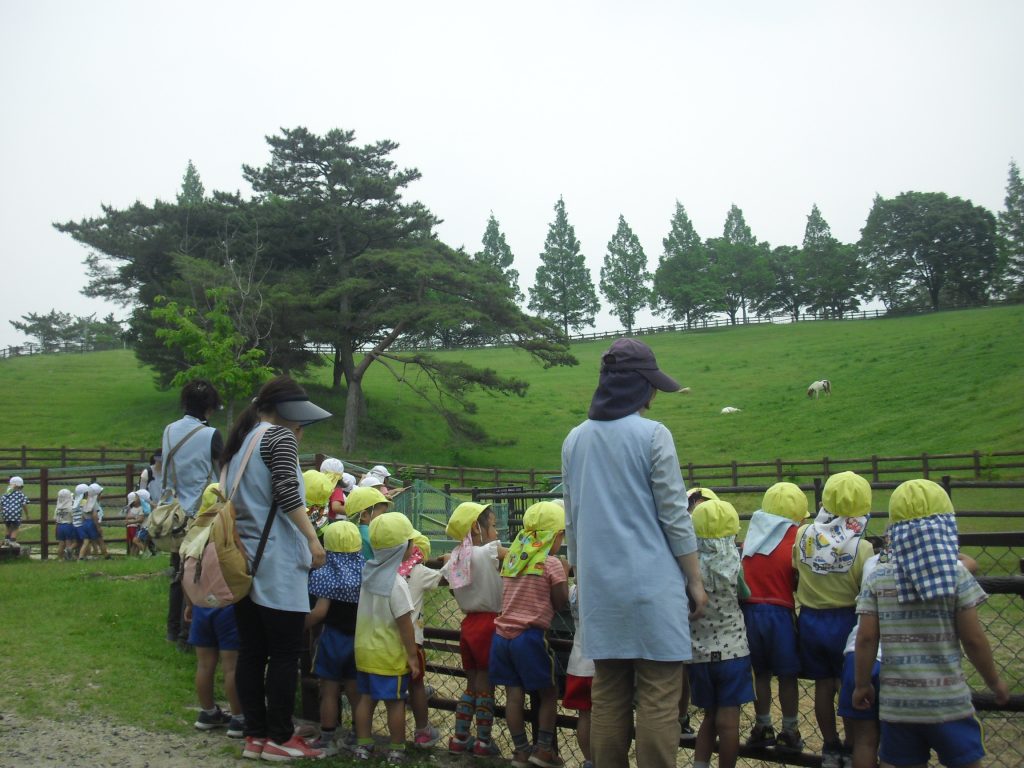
977	465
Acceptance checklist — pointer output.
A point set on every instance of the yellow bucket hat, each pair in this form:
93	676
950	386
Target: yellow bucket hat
847	495
716	519
915	499
423	543
390	530
210	497
342	536
462	519
785	500
544	516
363	498
319	487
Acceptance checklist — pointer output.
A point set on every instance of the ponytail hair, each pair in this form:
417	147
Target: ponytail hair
276	390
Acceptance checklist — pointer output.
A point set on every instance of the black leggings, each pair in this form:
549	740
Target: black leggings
267	673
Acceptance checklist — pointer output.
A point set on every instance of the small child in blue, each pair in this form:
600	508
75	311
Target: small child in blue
720	673
62	516
13	504
336	586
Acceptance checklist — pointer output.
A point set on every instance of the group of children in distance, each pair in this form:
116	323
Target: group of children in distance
915	610
79	519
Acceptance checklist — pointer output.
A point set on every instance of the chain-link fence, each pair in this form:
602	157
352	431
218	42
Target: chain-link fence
999	557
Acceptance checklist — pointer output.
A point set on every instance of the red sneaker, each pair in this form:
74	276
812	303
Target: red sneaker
458	746
294	749
253	748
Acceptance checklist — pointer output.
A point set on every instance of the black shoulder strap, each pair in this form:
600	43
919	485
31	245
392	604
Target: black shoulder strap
263	540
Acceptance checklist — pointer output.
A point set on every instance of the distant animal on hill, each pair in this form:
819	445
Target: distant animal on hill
817	387
730	409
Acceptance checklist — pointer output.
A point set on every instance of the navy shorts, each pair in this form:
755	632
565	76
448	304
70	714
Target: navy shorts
214	628
715	684
957	743
771	635
383	687
846	708
524	662
823	634
89	531
335	656
66	532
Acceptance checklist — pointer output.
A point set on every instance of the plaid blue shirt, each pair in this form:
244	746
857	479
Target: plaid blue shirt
925	554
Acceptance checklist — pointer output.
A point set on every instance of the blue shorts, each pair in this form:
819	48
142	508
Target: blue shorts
89	531
142	535
715	684
383	687
957	743
214	628
823	634
66	532
771	635
335	657
846	708
523	662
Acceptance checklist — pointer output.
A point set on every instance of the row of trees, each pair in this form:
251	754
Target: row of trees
917	249
328	252
62	331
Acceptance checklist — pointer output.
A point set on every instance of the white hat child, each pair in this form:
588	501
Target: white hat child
17	482
143	494
334	466
380	471
349	482
95	489
371	480
132	497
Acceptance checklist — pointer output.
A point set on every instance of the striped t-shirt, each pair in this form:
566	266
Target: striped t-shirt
526	601
921	679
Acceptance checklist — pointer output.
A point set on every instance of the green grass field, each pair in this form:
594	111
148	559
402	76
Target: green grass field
946	382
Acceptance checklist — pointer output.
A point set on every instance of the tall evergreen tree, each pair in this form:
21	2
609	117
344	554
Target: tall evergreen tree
739	266
192	191
1010	228
625	279
681	281
563	289
832	271
497	253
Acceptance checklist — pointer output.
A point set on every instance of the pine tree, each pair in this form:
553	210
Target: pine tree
1010	229
563	289
740	266
496	253
681	289
833	272
192	191
625	280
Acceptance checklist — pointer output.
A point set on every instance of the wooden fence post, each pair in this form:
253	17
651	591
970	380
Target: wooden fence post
44	513
874	467
778	470
947	485
817	493
735	475
824	466
63	455
24	456
924	465
977	465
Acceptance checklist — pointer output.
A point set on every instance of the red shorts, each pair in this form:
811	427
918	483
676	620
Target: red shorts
577	693
129	533
423	664
475	640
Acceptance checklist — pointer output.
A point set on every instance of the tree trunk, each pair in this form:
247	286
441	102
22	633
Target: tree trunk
336	375
354	405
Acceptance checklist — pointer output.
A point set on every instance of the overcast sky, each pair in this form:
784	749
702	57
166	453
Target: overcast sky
620	107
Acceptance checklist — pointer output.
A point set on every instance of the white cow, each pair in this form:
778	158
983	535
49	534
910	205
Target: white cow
817	387
730	409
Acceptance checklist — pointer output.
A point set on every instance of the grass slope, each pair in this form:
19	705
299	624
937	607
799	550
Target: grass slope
946	382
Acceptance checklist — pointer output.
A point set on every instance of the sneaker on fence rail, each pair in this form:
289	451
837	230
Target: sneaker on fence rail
459	746
208	721
485	749
236	728
761	736
425	738
546	758
789	741
253	748
293	749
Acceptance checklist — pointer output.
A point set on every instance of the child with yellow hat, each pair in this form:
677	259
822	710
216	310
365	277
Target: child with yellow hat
386	654
472	572
770	613
536	585
336	586
362	506
921	603
421	579
829	557
720	670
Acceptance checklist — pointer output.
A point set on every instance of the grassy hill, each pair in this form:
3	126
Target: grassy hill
945	382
